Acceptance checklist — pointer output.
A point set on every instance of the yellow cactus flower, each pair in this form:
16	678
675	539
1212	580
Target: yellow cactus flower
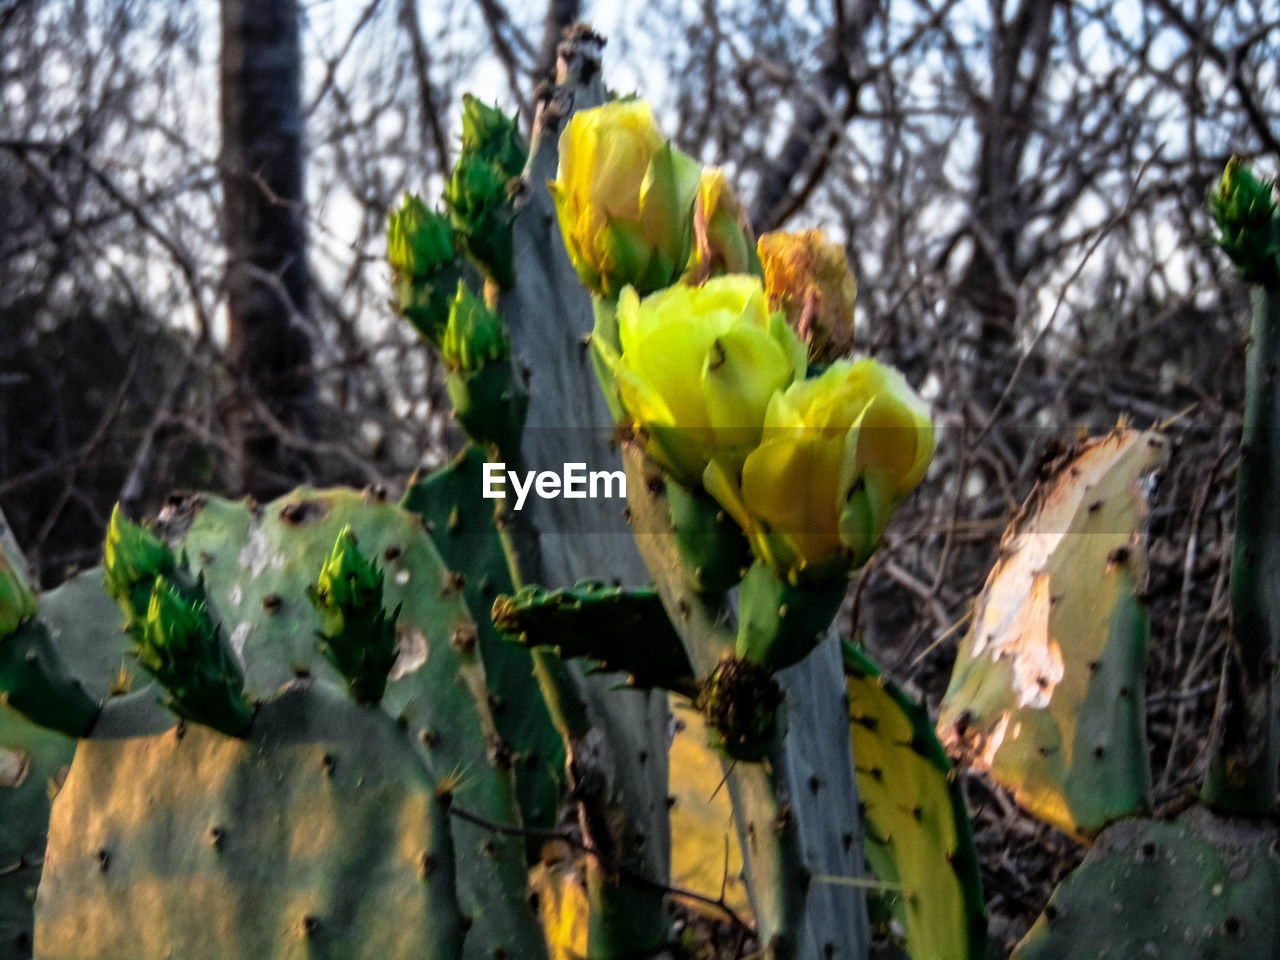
624	198
722	238
836	455
698	367
809	277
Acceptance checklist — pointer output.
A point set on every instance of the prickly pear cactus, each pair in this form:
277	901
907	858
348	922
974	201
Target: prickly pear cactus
919	841
1201	887
549	315
258	565
85	627
793	811
1048	688
318	835
1244	767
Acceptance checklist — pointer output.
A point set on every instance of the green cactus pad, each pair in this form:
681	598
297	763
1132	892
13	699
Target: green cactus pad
1200	888
1244	768
33	761
490	404
81	625
460	523
919	840
316	837
34	679
1048	691
624	631
87	629
257	562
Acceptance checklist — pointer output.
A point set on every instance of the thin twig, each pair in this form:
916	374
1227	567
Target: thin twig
625	872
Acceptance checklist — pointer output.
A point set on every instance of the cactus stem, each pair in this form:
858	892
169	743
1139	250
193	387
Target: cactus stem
1242	773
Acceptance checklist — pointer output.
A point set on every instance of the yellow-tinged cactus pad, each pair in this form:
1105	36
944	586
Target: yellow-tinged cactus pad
919	842
563	908
706	857
302	840
1047	692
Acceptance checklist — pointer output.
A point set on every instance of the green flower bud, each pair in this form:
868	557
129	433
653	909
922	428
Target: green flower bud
133	557
423	265
493	136
17	600
478	194
475	335
181	645
357	636
1245	212
489	397
419	241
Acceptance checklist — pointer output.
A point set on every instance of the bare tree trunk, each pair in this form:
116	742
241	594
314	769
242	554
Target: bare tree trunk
1001	203
268	285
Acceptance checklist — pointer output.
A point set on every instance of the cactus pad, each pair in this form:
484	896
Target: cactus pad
621	630
460	523
1047	692
58	667
257	562
1200	888
33	761
918	833
706	857
300	841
